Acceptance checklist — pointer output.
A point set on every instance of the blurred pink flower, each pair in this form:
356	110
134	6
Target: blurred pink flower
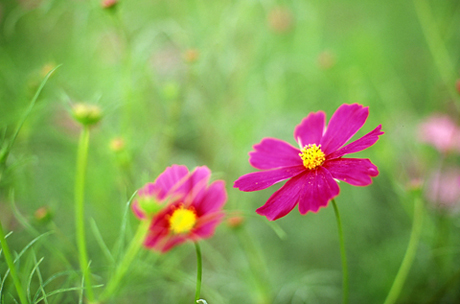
443	189
441	132
190	209
314	167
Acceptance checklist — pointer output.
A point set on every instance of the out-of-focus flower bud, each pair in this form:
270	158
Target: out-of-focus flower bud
117	144
46	69
43	215
440	131
86	114
326	60
109	4
235	221
191	55
146	204
443	190
280	20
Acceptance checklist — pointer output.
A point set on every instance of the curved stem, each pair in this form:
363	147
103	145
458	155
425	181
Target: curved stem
410	253
82	159
199	271
12	267
131	253
343	254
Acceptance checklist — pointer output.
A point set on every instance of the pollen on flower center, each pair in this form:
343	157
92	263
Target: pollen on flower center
182	220
312	156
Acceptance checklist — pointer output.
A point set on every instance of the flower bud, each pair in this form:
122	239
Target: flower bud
86	114
235	221
109	4
191	55
117	144
280	20
146	205
43	215
457	85
326	60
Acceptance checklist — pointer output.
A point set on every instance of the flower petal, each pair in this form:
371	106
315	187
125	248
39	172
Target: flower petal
169	242
138	211
206	225
355	171
273	153
319	188
167	180
193	184
311	129
260	180
284	199
358	145
344	123
212	199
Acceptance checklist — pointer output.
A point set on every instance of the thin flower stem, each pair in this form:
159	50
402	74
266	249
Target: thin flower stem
256	264
123	267
199	271
82	159
12	267
410	253
343	254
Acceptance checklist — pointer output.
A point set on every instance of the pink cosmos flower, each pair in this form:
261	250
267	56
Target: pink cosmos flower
181	206
443	189
440	131
314	168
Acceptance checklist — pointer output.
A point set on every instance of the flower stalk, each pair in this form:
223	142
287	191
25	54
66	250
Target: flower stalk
343	254
123	267
199	272
409	256
82	160
12	267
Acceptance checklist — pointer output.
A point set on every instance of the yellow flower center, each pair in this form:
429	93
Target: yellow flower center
182	220
312	156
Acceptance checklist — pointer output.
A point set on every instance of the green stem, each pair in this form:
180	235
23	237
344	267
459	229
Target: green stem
123	267
199	271
437	46
12	267
410	253
256	265
343	254
82	160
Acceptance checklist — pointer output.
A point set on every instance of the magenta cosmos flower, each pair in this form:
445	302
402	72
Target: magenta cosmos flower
440	131
314	167
181	206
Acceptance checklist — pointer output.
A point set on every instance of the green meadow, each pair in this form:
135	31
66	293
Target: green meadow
199	83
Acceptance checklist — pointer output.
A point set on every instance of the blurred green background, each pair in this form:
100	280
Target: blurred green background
198	83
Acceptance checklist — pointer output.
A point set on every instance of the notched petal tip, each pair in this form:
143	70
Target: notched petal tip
311	129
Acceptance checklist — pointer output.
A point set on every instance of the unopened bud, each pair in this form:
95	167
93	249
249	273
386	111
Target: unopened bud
43	215
86	114
235	221
326	60
117	144
109	4
457	85
148	205
191	55
280	20
46	69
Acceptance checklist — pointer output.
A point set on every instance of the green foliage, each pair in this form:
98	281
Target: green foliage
198	83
